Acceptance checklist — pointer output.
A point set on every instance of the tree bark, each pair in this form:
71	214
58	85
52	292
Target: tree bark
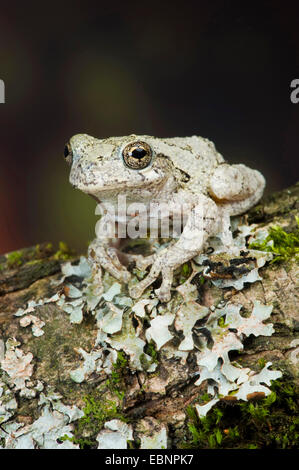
163	395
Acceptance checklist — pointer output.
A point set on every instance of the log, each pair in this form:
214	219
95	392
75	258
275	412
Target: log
159	394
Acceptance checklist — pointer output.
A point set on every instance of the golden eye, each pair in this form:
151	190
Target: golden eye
137	155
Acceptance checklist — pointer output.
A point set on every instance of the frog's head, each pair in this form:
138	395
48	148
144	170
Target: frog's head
104	168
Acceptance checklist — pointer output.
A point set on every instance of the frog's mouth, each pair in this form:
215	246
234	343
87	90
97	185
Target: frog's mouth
108	180
142	192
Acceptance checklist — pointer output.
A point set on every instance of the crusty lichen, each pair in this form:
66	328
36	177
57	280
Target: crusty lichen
130	352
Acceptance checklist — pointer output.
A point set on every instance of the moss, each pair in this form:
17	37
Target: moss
283	245
98	409
14	259
262	362
63	253
151	350
115	383
272	422
121	362
185	272
34	261
221	323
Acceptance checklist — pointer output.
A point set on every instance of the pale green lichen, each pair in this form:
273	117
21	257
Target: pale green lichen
133	334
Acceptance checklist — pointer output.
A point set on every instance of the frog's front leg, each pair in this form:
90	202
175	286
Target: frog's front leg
201	224
102	255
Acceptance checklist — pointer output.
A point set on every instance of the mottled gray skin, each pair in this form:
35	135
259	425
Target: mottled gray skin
186	170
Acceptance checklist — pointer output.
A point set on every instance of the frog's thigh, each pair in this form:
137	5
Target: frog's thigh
202	223
235	183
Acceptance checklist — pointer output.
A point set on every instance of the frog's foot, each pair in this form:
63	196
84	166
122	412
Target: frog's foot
163	293
96	280
106	257
143	262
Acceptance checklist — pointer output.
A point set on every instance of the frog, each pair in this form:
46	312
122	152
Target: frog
176	172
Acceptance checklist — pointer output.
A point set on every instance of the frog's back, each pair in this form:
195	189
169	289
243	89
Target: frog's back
196	158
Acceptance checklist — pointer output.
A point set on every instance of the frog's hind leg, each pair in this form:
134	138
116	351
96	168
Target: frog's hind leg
202	222
236	187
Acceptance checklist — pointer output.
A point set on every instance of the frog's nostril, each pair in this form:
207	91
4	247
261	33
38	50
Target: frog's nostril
68	153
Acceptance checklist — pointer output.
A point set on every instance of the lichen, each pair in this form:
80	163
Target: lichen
44	433
115	435
127	342
97	411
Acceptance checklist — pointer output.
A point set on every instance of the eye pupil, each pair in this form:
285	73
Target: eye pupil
139	153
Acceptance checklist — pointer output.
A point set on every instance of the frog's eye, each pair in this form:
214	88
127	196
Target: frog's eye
137	155
68	153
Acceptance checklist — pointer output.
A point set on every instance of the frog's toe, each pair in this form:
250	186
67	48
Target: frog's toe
164	295
119	272
125	276
164	291
135	291
144	262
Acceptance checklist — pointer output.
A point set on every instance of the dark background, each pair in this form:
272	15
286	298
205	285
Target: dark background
219	69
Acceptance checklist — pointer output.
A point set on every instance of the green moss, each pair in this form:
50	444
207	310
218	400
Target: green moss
121	363
185	272
262	362
283	245
151	350
272	422
63	253
221	323
14	259
98	409
34	261
119	369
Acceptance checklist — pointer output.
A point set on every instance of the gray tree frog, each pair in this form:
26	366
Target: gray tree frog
183	172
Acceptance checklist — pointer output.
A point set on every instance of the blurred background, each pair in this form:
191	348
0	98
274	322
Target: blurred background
219	69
